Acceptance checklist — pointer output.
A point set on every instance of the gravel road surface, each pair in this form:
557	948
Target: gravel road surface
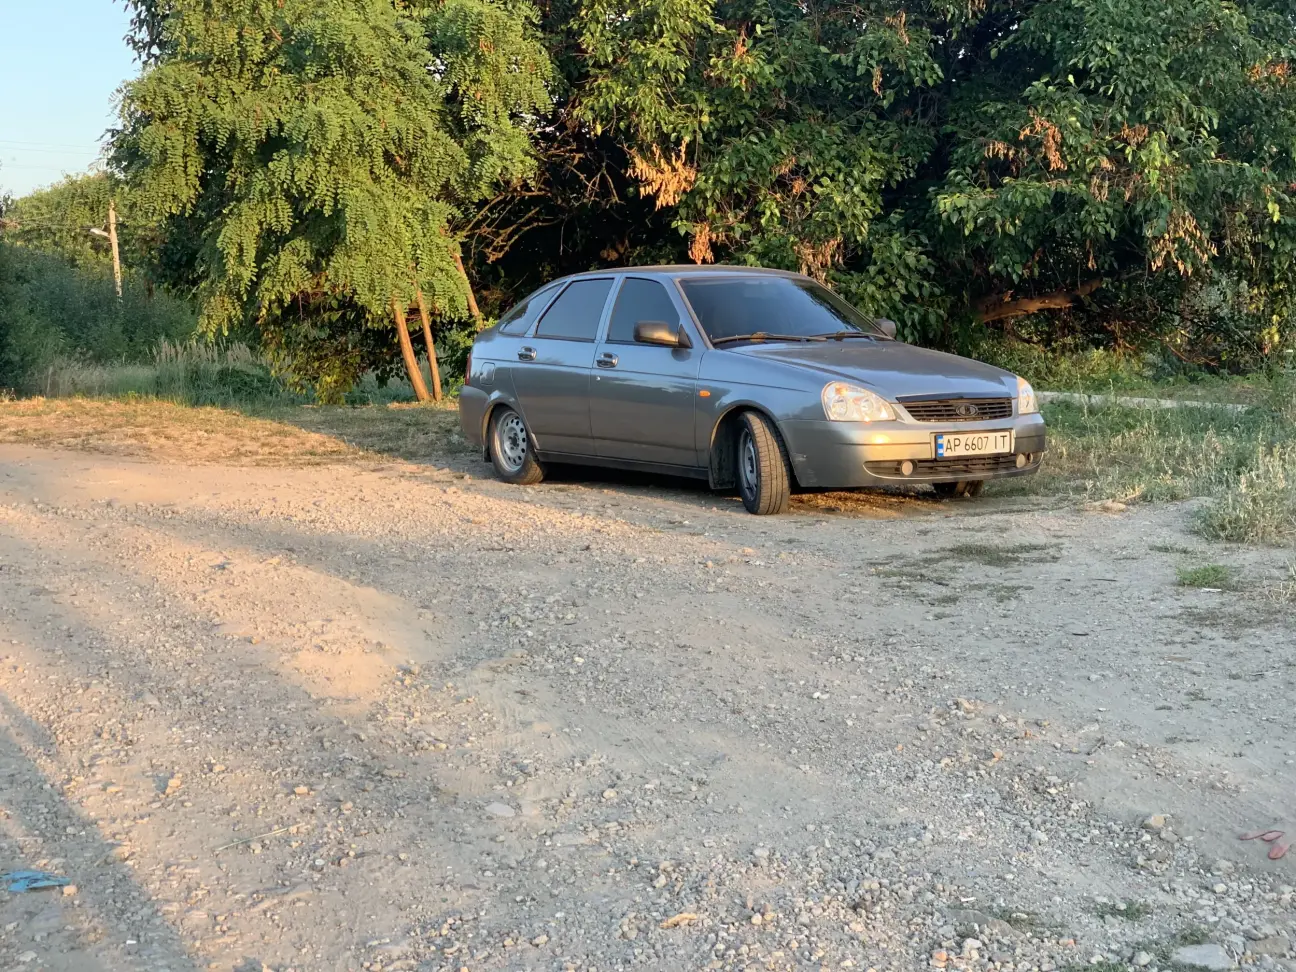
402	716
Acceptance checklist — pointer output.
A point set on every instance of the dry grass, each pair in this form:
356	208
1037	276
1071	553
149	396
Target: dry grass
298	435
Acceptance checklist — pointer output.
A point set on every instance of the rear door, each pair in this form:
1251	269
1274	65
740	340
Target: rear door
642	395
552	373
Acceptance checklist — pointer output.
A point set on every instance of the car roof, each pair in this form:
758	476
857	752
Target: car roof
686	270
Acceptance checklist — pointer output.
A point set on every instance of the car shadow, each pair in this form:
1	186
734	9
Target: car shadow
886	502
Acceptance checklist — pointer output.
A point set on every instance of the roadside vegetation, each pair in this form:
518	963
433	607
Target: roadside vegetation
1093	221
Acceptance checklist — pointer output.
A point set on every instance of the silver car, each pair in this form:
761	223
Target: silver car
759	379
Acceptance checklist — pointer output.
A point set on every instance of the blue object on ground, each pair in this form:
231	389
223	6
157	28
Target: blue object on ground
20	881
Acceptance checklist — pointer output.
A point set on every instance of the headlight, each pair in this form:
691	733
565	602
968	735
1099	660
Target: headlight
844	402
1026	402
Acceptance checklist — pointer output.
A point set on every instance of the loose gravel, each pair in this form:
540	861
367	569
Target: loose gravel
405	717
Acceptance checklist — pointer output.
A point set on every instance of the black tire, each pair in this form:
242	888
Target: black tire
969	489
511	451
764	482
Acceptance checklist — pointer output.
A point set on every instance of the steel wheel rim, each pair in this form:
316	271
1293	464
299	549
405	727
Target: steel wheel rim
512	441
748	469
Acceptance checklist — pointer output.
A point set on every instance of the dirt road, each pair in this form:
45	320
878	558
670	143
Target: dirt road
405	717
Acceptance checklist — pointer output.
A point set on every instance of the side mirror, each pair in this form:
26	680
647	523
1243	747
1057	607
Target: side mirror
662	334
888	326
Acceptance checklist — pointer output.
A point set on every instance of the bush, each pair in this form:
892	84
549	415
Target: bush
1261	507
50	310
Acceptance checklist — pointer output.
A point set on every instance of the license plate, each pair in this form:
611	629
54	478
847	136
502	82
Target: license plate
960	444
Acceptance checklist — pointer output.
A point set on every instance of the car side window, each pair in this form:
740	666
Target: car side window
575	315
640	300
521	315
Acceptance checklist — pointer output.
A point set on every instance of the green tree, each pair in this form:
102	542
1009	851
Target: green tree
319	150
59	220
962	161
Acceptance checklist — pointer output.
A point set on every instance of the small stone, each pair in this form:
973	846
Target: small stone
971	946
540	940
1210	956
1039	837
756	919
609	794
28	956
502	810
1220	888
1155	823
1143	958
301	790
69	890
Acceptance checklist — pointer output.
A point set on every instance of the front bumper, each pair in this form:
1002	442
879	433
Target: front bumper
842	455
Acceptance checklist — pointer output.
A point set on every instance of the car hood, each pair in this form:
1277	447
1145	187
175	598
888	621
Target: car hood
891	367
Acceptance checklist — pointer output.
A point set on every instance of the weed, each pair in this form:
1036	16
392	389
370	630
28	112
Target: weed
1208	575
991	555
1261	508
1128	911
1282	591
1169	548
1021	920
1243	461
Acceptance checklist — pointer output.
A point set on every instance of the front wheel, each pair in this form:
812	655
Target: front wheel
969	488
763	477
510	449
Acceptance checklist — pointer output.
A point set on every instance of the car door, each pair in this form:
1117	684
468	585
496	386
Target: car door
642	395
552	374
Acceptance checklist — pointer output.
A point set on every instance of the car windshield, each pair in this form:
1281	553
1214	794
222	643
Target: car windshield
752	307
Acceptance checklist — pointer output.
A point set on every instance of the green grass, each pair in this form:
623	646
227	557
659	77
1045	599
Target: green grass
1242	462
1208	575
197	372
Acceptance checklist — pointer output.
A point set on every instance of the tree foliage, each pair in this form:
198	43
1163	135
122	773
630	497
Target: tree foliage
947	158
1125	167
328	154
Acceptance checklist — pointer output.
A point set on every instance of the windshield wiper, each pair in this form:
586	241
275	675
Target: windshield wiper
842	335
765	336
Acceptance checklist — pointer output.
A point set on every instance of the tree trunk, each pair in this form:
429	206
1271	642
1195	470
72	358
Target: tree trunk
473	309
407	352
427	338
995	308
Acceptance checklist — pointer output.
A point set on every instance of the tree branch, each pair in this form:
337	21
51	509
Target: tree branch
997	308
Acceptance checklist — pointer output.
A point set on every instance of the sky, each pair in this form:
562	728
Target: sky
61	62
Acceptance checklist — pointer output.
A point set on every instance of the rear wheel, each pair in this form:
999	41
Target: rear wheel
510	449
969	488
763	478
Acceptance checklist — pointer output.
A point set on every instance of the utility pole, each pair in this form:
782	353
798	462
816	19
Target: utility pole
112	241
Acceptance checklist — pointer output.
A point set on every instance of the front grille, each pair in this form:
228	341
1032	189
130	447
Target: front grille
948	468
958	409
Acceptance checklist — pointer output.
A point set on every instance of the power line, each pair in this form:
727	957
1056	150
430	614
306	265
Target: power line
70	145
45	151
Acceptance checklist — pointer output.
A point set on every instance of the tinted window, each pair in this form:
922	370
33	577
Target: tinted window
576	313
520	316
731	306
639	300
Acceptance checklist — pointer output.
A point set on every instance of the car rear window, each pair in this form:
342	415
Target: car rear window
639	300
751	303
520	316
575	315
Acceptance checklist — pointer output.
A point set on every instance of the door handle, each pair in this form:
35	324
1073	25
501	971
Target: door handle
526	354
607	360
